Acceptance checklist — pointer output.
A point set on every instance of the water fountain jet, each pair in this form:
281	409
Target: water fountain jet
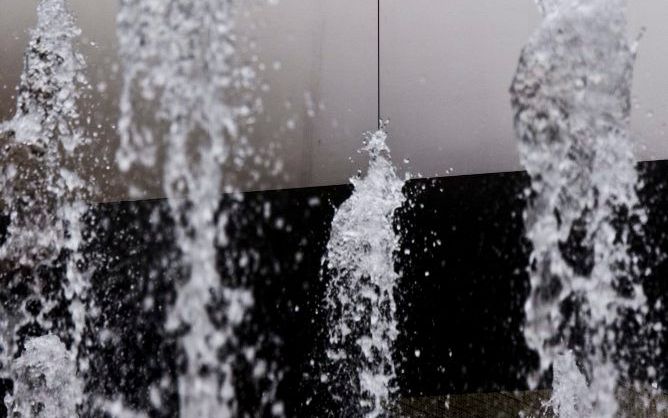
571	98
362	284
44	197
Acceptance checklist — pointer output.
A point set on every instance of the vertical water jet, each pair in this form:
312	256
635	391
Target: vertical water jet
181	57
46	384
360	299
571	99
42	193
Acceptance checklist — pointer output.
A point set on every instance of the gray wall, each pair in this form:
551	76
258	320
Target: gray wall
448	65
446	68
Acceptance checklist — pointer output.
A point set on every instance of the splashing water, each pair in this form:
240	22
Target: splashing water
43	197
181	56
45	381
568	398
360	294
45	130
571	101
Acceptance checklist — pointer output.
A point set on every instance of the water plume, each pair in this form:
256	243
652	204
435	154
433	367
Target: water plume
38	189
43	196
46	384
362	283
571	99
181	57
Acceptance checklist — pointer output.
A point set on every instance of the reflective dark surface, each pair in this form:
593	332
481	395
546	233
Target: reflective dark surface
463	288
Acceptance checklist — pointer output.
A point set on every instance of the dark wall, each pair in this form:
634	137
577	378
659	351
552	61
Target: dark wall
462	290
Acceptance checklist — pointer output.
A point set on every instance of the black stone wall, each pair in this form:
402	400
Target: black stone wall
463	286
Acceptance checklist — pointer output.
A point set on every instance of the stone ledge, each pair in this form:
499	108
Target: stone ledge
519	404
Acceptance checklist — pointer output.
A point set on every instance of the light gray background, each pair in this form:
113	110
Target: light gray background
446	69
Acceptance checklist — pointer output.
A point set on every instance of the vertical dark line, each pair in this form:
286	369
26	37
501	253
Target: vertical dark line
379	120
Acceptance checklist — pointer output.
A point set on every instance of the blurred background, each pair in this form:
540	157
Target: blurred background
444	76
